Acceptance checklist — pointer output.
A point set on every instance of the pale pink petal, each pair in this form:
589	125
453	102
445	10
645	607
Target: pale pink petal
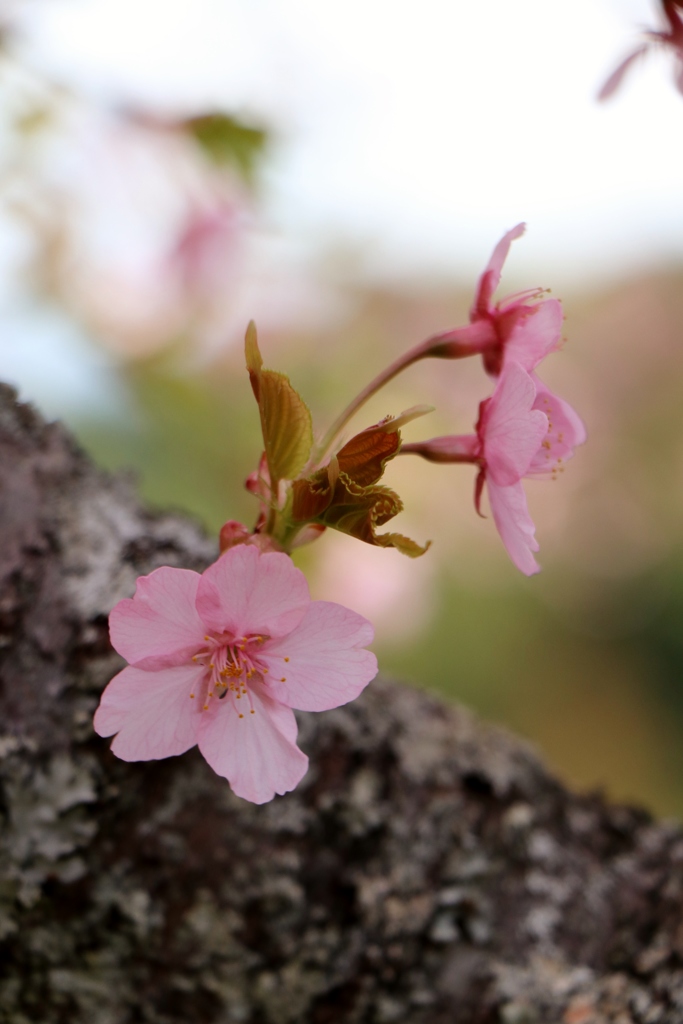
152	712
321	664
535	334
283	719
256	753
246	591
515	525
511	432
490	279
160	625
617	76
565	431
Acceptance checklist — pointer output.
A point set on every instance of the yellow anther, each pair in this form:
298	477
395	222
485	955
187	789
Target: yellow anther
283	680
206	707
241	716
191	696
252	712
286	659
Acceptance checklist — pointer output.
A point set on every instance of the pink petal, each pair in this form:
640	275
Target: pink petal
246	591
490	279
616	78
152	712
515	525
257	753
565	431
512	432
535	335
160	625
325	665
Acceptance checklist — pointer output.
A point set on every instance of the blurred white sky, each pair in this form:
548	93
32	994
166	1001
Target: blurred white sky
416	133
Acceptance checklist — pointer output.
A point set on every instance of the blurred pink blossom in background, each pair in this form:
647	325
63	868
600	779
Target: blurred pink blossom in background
671	39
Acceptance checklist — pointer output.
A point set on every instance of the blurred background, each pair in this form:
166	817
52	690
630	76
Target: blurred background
340	172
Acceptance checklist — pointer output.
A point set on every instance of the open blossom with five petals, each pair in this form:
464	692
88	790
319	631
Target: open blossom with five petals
522	327
523	430
671	38
220	659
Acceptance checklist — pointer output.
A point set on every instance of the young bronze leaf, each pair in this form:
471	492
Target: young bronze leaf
286	425
403	544
311	497
253	357
359	510
285	418
364	457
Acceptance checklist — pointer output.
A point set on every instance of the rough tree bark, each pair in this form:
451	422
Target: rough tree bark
427	870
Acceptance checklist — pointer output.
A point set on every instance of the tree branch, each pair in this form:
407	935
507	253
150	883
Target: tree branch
428	870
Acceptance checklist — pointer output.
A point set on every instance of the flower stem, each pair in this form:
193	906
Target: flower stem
400	364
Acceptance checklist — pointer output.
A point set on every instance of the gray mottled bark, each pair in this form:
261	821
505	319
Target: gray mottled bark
427	870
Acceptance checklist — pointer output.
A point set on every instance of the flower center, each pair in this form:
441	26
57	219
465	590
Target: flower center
230	663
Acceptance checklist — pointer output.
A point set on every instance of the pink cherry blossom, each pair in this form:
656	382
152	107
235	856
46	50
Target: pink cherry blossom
220	659
671	38
522	327
523	430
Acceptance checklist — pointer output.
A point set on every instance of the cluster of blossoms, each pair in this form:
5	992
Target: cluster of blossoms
220	659
523	429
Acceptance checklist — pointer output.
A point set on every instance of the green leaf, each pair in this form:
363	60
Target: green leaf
285	417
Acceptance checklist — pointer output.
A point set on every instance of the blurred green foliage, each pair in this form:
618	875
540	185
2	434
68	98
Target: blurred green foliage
225	140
